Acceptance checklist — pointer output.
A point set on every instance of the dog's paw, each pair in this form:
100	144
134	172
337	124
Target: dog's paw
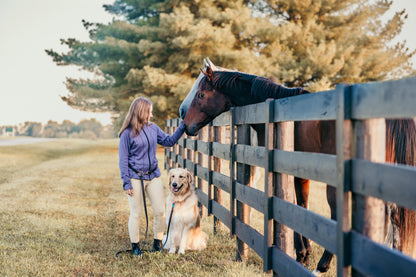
181	251
172	251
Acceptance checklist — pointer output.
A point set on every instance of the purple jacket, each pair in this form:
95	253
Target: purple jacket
140	152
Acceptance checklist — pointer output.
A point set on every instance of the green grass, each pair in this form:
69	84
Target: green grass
63	213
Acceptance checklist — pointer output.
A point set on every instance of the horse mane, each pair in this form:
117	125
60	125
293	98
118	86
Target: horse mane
401	134
244	89
267	88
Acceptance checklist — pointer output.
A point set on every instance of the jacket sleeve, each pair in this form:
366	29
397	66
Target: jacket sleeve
123	154
168	141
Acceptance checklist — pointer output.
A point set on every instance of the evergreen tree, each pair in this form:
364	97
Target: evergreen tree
155	48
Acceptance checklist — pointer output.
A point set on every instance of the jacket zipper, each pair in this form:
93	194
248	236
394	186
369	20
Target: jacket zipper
148	152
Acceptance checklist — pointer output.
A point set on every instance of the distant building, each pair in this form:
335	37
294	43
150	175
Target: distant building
9	131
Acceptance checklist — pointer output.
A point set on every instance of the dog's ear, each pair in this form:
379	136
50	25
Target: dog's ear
190	176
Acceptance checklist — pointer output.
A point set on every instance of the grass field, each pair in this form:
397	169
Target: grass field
63	213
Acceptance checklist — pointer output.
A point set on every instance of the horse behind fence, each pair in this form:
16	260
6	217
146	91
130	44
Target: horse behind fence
356	170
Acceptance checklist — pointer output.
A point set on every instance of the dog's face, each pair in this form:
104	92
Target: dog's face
180	180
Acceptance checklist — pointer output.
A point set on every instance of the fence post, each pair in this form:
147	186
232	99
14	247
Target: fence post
218	193
182	142
343	196
268	185
210	161
166	149
176	147
232	172
368	212
284	187
202	161
168	161
187	153
243	177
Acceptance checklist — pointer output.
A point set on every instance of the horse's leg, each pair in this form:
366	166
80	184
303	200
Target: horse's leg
302	245
307	139
327	135
325	261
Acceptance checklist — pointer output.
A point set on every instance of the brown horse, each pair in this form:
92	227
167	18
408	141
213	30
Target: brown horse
217	89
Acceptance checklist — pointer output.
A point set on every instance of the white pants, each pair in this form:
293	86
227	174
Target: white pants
154	191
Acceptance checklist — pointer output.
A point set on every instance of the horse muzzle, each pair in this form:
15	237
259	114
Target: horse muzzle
191	130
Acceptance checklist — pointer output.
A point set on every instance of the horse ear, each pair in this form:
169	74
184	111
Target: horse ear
208	72
212	65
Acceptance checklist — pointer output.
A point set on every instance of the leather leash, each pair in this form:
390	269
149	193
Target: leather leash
170	219
141	174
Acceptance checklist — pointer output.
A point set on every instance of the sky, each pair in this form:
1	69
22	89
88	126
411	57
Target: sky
31	84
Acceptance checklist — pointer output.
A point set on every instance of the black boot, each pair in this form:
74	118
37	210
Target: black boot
135	249
157	245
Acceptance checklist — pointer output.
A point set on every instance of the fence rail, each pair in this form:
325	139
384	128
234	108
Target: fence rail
349	106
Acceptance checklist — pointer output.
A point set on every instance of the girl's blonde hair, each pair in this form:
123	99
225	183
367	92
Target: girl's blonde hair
137	116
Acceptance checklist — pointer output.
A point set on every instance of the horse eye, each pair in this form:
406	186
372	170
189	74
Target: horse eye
201	95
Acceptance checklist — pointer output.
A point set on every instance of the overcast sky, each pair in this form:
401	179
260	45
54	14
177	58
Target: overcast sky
31	84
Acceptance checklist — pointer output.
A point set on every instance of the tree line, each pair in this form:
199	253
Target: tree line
86	129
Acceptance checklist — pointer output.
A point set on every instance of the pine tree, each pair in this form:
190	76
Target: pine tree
155	48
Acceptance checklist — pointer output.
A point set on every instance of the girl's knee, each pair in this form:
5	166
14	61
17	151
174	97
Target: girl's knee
134	216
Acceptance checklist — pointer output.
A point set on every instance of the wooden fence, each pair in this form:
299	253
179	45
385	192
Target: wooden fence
358	172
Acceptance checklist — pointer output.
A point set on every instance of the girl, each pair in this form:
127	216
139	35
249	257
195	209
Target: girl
139	168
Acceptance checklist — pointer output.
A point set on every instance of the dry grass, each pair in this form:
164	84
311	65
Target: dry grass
63	212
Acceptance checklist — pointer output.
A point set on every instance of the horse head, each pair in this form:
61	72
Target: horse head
207	103
186	103
209	68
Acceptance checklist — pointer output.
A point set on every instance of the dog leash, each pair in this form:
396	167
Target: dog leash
170	219
166	240
130	251
145	211
144	201
140	174
145	206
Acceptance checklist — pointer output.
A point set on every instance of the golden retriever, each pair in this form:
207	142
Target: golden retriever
185	231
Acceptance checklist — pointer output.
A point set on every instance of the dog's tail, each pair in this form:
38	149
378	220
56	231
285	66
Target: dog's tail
197	239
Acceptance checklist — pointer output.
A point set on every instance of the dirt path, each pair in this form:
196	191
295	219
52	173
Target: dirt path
22	140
